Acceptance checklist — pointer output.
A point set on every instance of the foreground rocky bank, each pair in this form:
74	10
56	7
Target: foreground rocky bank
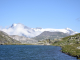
70	45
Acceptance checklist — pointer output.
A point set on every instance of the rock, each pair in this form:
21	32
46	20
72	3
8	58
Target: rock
78	47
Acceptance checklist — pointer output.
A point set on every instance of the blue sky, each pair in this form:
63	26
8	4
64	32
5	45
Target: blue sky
57	14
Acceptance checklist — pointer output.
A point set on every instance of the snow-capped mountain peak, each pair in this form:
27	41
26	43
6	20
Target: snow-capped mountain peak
68	29
18	25
13	25
20	29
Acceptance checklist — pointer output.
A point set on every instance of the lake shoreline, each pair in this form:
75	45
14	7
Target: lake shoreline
78	57
42	52
47	45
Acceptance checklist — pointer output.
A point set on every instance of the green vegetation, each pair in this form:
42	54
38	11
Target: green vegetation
70	45
73	50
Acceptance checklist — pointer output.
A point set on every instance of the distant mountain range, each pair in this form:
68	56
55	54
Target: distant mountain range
21	30
17	33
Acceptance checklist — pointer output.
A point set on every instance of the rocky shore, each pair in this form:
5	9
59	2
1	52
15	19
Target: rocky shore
70	45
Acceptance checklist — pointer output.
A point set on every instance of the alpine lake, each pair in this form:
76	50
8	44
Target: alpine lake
33	52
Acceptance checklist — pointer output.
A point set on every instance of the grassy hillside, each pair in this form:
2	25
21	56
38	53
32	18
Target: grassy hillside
70	45
5	39
50	35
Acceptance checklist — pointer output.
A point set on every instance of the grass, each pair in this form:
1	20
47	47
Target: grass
70	45
71	50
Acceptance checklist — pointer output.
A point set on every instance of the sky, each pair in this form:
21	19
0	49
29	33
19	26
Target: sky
57	14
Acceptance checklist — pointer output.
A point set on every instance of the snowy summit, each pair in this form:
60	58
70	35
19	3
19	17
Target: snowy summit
21	30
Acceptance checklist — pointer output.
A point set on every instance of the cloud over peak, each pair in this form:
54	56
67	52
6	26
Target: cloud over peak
21	30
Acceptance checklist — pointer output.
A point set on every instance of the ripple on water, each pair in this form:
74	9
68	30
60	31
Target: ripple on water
32	52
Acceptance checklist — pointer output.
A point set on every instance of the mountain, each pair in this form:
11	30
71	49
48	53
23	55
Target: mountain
70	45
22	30
50	35
23	39
5	39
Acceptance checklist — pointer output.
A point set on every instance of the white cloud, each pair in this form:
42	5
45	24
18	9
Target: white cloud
19	29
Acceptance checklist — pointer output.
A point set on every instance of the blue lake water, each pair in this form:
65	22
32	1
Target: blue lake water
32	52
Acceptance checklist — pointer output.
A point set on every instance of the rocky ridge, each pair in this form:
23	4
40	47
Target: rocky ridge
24	39
50	35
5	39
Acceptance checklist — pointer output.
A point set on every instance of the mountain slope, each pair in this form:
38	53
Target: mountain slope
70	45
5	39
50	35
23	39
22	30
